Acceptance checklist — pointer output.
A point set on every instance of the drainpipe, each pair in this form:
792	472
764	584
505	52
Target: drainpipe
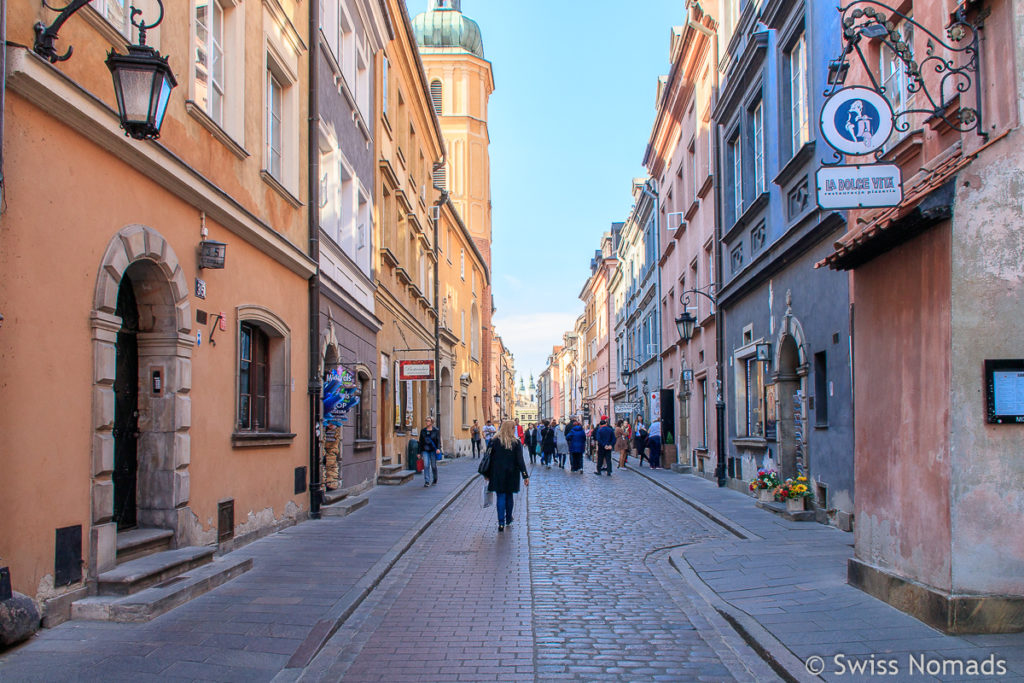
313	152
437	312
3	97
441	201
719	270
653	195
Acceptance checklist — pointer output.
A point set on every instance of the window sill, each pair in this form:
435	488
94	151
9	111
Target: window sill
748	216
258	439
750	442
364	444
821	426
280	189
200	115
789	171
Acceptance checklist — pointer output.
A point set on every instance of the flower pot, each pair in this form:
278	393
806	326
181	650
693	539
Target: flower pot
765	495
794	505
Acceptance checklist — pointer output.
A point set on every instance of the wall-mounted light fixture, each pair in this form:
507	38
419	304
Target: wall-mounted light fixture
763	351
212	253
142	78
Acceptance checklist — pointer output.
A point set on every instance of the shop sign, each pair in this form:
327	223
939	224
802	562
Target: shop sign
415	370
856	120
859	187
627	407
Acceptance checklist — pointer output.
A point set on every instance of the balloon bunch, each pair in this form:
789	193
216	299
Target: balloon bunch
341	394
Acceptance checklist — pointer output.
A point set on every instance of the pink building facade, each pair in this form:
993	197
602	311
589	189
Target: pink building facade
599	361
679	157
937	286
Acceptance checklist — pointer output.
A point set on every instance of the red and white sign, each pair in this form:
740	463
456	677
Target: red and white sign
410	370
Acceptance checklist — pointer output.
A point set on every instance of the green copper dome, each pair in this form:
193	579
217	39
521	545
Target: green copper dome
444	25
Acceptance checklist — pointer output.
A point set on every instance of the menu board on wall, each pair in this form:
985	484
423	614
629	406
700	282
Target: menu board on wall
1004	391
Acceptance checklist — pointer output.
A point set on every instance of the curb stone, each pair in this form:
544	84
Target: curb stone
343	608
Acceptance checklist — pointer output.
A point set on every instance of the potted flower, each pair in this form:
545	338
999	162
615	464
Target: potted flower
793	492
764	484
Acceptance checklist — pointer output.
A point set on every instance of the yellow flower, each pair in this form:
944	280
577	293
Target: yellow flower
801	478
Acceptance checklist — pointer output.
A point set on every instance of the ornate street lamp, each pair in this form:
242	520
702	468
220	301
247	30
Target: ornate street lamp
142	78
685	325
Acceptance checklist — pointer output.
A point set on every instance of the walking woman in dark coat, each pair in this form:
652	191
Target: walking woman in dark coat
503	474
547	443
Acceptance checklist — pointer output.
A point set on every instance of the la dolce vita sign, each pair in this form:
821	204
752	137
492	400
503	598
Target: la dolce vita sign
857	121
858	187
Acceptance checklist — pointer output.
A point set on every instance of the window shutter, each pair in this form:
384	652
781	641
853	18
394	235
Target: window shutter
436	91
441	178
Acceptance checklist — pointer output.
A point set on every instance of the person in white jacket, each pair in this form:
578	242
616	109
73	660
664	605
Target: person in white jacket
561	445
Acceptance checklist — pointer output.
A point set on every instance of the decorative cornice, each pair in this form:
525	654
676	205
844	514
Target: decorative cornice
54	92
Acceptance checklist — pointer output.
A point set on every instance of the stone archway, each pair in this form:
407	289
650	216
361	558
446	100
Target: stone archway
790	378
140	258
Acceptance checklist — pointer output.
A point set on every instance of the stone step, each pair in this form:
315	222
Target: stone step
390	469
335	496
346	506
163	597
136	575
396	478
780	509
136	543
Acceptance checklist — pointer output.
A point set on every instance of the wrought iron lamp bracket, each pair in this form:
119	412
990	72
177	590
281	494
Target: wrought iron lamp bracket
956	73
708	292
46	36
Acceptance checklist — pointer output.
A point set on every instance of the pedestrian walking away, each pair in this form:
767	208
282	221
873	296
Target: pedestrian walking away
504	471
488	433
605	441
622	441
654	444
430	449
561	445
547	443
577	438
474	436
530	440
640	441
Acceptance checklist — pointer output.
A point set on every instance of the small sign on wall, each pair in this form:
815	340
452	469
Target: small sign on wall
414	370
1004	391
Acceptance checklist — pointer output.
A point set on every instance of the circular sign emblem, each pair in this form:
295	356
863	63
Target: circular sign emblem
856	120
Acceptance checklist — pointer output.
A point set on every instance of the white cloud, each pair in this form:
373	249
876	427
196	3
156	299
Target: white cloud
530	337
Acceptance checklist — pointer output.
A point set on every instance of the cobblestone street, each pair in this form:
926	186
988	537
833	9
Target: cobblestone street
573	590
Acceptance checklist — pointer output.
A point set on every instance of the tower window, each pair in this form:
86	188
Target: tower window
436	93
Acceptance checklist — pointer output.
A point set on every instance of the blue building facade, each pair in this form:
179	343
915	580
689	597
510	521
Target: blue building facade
787	333
635	293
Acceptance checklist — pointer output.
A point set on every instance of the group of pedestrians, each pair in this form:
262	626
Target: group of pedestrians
550	441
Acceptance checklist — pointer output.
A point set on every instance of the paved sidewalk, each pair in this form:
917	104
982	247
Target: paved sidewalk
273	619
783	584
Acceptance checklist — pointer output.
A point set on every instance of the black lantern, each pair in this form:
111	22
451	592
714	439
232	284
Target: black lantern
837	70
142	78
497	398
211	254
142	82
685	324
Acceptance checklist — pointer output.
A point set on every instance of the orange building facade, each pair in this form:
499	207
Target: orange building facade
141	393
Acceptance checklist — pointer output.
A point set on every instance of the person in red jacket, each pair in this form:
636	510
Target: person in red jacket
519	432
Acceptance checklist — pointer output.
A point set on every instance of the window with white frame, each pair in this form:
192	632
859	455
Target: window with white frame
702	432
263	366
893	71
116	12
462	263
757	119
800	126
209	59
275	125
736	159
384	66
462	326
749	397
362	84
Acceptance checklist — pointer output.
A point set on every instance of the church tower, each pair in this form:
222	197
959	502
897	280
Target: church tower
461	82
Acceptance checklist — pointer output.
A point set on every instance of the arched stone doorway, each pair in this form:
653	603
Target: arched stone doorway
790	380
446	423
142	351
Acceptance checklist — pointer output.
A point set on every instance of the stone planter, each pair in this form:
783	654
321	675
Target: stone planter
794	505
765	495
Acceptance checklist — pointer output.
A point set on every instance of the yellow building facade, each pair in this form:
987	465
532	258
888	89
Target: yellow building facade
461	82
409	145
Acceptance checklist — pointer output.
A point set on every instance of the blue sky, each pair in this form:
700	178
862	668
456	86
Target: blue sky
569	121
